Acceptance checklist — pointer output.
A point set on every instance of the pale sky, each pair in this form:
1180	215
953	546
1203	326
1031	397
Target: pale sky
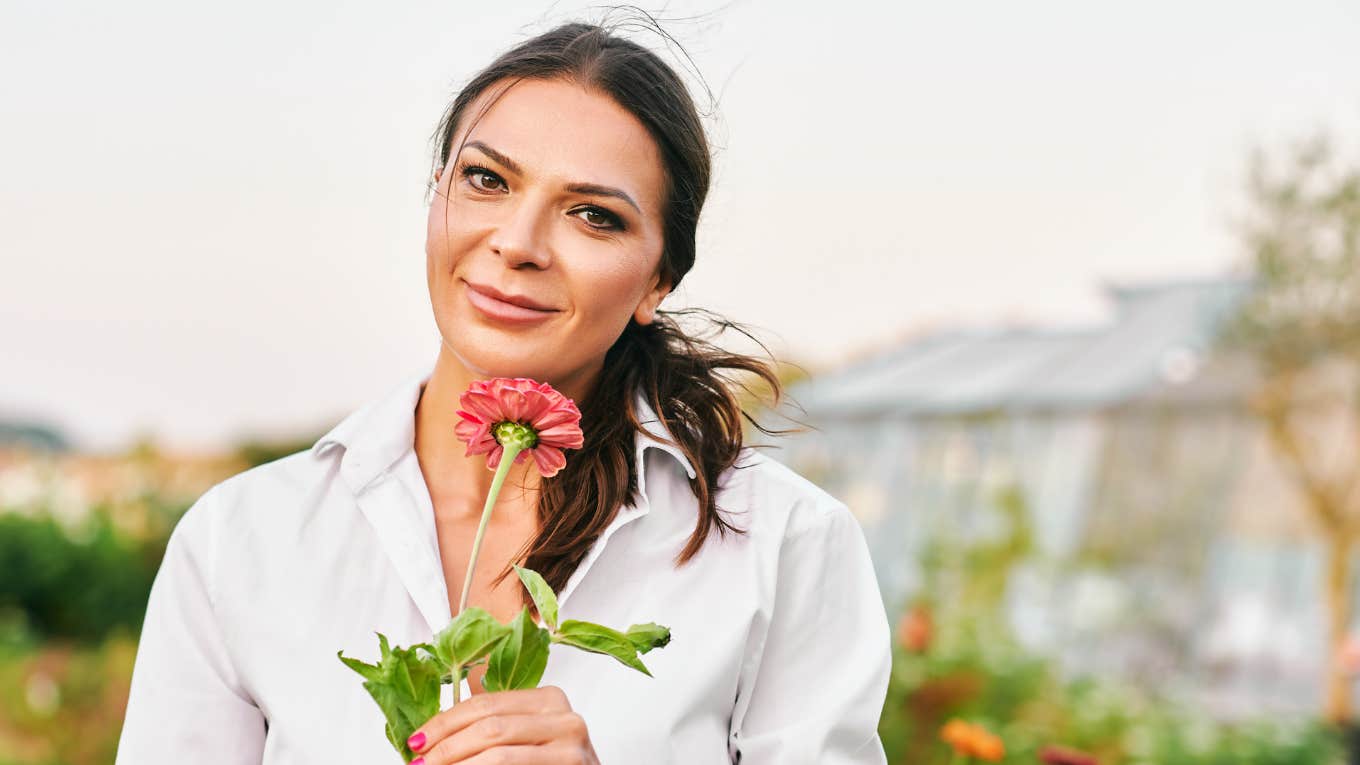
213	213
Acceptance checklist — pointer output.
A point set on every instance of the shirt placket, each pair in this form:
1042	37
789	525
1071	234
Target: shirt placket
393	513
626	515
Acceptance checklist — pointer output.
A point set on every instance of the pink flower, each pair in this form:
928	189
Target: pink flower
548	422
1057	755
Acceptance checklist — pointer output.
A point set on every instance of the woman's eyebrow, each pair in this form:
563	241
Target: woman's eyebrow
603	191
496	155
578	188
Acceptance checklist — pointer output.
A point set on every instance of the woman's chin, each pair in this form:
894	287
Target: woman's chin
490	359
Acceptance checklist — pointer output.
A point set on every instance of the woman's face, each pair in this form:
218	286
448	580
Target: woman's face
555	199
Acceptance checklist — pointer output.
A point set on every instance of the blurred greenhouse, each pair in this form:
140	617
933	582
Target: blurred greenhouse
1152	537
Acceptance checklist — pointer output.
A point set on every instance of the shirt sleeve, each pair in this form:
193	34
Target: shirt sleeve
186	702
822	677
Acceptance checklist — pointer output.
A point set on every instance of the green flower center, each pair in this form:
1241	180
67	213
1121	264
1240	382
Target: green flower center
515	434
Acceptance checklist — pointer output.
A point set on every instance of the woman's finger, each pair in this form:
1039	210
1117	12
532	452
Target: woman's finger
502	731
546	700
547	754
513	755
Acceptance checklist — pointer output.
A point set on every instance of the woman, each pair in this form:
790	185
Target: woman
570	177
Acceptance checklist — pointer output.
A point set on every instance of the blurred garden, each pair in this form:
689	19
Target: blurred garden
1132	545
74	592
1132	542
964	689
81	539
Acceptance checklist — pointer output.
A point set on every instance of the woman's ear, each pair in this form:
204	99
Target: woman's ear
646	311
438	173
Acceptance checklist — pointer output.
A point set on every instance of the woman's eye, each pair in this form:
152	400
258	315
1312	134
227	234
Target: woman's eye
597	218
484	180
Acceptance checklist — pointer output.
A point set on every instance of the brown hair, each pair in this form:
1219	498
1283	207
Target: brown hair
689	382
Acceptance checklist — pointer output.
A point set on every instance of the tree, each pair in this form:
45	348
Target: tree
1301	326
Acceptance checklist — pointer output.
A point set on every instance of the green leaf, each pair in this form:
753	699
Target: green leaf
519	660
405	686
647	636
395	740
545	600
369	671
598	638
468	639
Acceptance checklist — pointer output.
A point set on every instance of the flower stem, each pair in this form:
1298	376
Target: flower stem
458	684
508	455
503	469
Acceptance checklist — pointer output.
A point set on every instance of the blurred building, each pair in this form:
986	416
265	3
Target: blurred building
17	432
1167	546
142	491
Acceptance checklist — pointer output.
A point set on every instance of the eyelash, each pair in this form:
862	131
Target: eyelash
615	223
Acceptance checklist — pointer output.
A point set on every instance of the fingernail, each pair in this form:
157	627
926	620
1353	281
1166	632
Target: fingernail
418	761
416	741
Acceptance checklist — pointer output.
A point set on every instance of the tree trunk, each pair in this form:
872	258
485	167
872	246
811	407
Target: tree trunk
1338	707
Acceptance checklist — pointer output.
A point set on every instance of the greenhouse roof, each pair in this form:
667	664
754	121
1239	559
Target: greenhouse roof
1158	340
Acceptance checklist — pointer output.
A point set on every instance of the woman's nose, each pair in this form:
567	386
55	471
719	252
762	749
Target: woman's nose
520	236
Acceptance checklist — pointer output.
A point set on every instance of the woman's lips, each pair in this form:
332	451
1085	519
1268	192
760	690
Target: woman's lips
503	311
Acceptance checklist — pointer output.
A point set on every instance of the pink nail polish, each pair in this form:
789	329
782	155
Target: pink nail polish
416	741
418	761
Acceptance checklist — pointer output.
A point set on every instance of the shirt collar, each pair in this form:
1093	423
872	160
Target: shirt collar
379	433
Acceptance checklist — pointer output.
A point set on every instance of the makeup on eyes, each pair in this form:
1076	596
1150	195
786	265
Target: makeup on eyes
467	169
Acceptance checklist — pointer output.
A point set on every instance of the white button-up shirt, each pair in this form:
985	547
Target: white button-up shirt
780	649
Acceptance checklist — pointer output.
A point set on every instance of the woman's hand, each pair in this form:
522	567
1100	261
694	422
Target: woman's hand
535	726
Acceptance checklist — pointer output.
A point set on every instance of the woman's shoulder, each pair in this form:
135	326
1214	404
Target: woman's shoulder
259	494
774	498
294	475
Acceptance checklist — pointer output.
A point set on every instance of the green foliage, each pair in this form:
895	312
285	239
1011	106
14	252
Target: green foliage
985	677
62	702
600	639
73	588
955	658
468	639
645	637
1167	739
1302	233
405	685
520	659
545	600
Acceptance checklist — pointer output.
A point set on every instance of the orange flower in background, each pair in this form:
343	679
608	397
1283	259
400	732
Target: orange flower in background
957	734
971	740
988	746
915	629
518	411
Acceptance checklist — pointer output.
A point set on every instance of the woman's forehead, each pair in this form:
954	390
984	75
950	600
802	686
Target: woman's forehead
559	131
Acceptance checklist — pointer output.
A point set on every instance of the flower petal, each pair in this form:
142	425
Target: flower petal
536	405
548	460
481	446
562	436
514	405
493	458
553	417
484	405
470	426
